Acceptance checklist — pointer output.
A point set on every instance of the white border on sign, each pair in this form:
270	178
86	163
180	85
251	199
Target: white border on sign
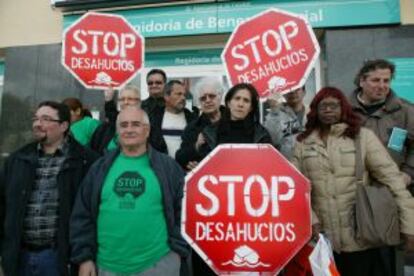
99	87
192	243
312	35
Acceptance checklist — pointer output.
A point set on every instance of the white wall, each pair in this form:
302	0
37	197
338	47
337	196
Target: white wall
29	22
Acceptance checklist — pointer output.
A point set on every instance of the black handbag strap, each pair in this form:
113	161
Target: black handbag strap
359	165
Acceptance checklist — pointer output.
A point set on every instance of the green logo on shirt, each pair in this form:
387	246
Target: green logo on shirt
129	186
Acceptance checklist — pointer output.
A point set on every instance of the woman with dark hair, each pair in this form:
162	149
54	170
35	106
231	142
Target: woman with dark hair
82	125
240	121
325	153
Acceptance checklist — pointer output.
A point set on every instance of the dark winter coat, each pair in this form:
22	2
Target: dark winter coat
260	136
84	218
16	180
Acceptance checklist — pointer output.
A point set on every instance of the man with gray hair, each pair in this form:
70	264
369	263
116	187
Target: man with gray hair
168	123
126	219
104	138
209	92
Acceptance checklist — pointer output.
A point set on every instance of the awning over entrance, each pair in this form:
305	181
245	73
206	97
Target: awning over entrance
223	17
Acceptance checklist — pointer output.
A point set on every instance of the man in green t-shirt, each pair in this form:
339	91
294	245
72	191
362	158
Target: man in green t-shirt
126	219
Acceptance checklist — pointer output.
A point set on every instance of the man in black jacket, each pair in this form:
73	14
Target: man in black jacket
37	189
156	80
126	218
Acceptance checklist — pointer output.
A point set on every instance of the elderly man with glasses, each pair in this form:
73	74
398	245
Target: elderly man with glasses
38	185
105	137
156	81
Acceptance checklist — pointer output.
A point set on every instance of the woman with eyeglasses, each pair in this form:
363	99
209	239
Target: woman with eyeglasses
240	120
325	154
208	92
82	125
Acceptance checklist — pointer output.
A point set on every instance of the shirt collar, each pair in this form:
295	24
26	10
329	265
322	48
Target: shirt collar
364	103
62	149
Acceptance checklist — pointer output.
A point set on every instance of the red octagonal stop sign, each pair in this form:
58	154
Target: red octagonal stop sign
102	50
274	50
246	209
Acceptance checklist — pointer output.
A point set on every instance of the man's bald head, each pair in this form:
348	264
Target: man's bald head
133	128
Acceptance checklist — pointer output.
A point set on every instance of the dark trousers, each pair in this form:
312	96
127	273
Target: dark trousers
39	263
368	262
200	268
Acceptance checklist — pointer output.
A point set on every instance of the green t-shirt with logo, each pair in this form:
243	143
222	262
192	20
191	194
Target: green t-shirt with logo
83	129
132	232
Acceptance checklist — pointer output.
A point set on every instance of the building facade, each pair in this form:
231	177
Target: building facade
186	38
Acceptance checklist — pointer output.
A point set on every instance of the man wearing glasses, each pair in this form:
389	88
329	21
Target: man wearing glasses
37	189
105	137
126	219
156	80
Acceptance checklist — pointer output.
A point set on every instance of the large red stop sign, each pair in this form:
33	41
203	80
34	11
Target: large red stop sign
246	209
274	50
102	50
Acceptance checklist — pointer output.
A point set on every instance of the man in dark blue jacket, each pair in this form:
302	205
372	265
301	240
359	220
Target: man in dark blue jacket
126	218
38	185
